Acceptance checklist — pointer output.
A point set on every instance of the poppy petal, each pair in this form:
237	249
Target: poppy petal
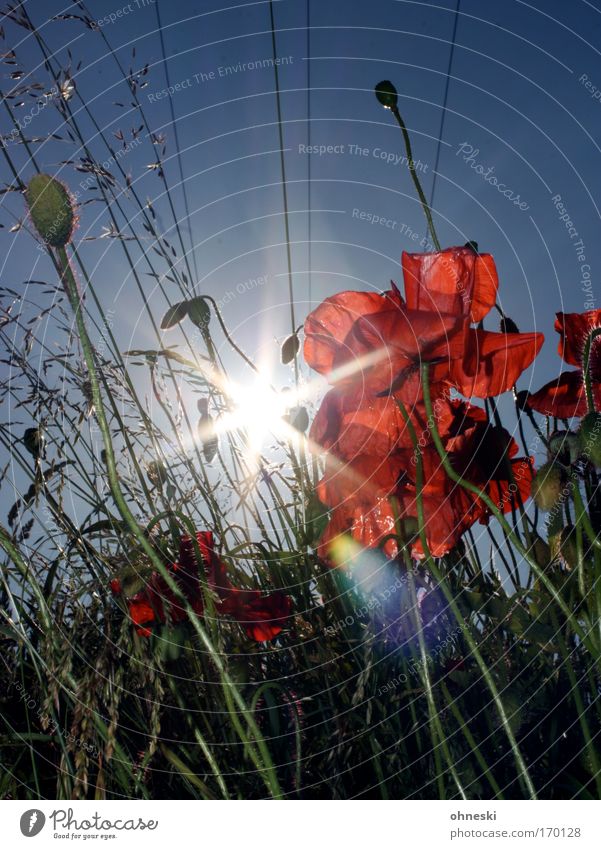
574	329
456	280
493	362
563	397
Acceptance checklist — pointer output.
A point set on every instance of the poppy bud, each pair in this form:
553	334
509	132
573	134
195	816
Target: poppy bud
565	445
199	312
541	551
157	474
174	315
289	349
507	325
547	486
33	440
386	94
568	548
299	418
51	209
590	438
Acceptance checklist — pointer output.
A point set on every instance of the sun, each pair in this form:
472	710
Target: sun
258	410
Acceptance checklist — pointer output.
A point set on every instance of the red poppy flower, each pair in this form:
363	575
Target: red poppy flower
359	494
565	397
456	280
371	347
374	342
262	616
378	341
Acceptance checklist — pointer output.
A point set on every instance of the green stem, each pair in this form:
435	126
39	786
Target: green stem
415	178
470	487
586	356
266	768
521	764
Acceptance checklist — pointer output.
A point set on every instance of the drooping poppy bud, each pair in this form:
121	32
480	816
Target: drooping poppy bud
199	312
52	210
33	440
174	315
299	418
547	486
386	94
157	474
206	431
590	438
290	348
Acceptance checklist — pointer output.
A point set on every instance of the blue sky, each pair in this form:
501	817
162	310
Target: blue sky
523	103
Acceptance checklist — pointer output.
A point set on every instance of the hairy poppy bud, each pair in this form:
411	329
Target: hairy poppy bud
199	312
564	445
541	551
174	315
290	348
299	418
547	486
51	209
590	438
387	94
568	547
157	474
33	440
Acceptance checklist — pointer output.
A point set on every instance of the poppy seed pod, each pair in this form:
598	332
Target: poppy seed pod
386	94
51	209
547	486
590	438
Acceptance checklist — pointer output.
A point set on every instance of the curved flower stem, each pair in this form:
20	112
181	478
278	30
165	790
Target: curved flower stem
415	178
266	767
586	356
470	487
419	483
432	709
